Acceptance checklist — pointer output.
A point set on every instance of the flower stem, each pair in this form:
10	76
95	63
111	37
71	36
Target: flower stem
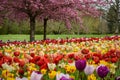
103	79
80	76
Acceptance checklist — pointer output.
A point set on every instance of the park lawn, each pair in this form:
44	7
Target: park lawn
20	37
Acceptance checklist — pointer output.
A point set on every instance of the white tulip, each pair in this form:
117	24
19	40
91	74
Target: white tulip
24	78
36	76
59	76
89	69
51	66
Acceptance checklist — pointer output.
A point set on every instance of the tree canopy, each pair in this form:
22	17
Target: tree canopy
65	10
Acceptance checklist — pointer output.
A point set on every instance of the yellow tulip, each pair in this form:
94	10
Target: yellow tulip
52	74
68	69
11	75
91	77
58	72
28	77
10	78
32	69
4	73
72	69
104	63
29	73
43	71
73	77
112	68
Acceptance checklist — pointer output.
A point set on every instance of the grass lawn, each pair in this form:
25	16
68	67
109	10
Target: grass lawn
20	37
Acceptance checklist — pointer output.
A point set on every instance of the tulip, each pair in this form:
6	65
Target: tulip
4	73
117	78
102	71
24	78
80	64
51	66
52	74
43	71
36	75
89	69
91	77
61	65
10	78
1	79
85	51
62	76
112	68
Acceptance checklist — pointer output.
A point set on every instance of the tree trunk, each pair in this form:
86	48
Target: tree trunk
117	29
32	29
45	28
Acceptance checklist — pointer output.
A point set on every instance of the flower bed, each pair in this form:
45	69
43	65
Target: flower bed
63	59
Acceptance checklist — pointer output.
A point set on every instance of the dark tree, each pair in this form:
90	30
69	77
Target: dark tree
113	16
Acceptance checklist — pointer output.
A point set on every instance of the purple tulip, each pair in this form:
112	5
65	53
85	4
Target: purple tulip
80	64
117	78
64	78
102	71
37	72
1	79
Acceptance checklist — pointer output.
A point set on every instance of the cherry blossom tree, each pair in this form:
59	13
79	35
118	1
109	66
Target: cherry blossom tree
65	10
71	10
2	10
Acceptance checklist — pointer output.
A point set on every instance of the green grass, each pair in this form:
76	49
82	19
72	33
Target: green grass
20	37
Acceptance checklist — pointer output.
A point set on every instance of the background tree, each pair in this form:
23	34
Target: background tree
2	11
113	16
65	10
24	9
71	11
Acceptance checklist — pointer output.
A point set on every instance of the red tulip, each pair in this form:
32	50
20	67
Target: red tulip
112	51
70	61
36	58
96	60
87	56
85	51
1	62
107	59
32	54
32	61
40	62
46	56
21	71
71	55
16	53
57	59
21	63
1	55
113	55
44	66
16	60
118	54
114	59
76	57
7	59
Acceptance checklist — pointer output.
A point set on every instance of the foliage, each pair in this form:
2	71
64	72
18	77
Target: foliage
93	25
66	11
113	17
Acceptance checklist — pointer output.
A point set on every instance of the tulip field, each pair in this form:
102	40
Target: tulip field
61	59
